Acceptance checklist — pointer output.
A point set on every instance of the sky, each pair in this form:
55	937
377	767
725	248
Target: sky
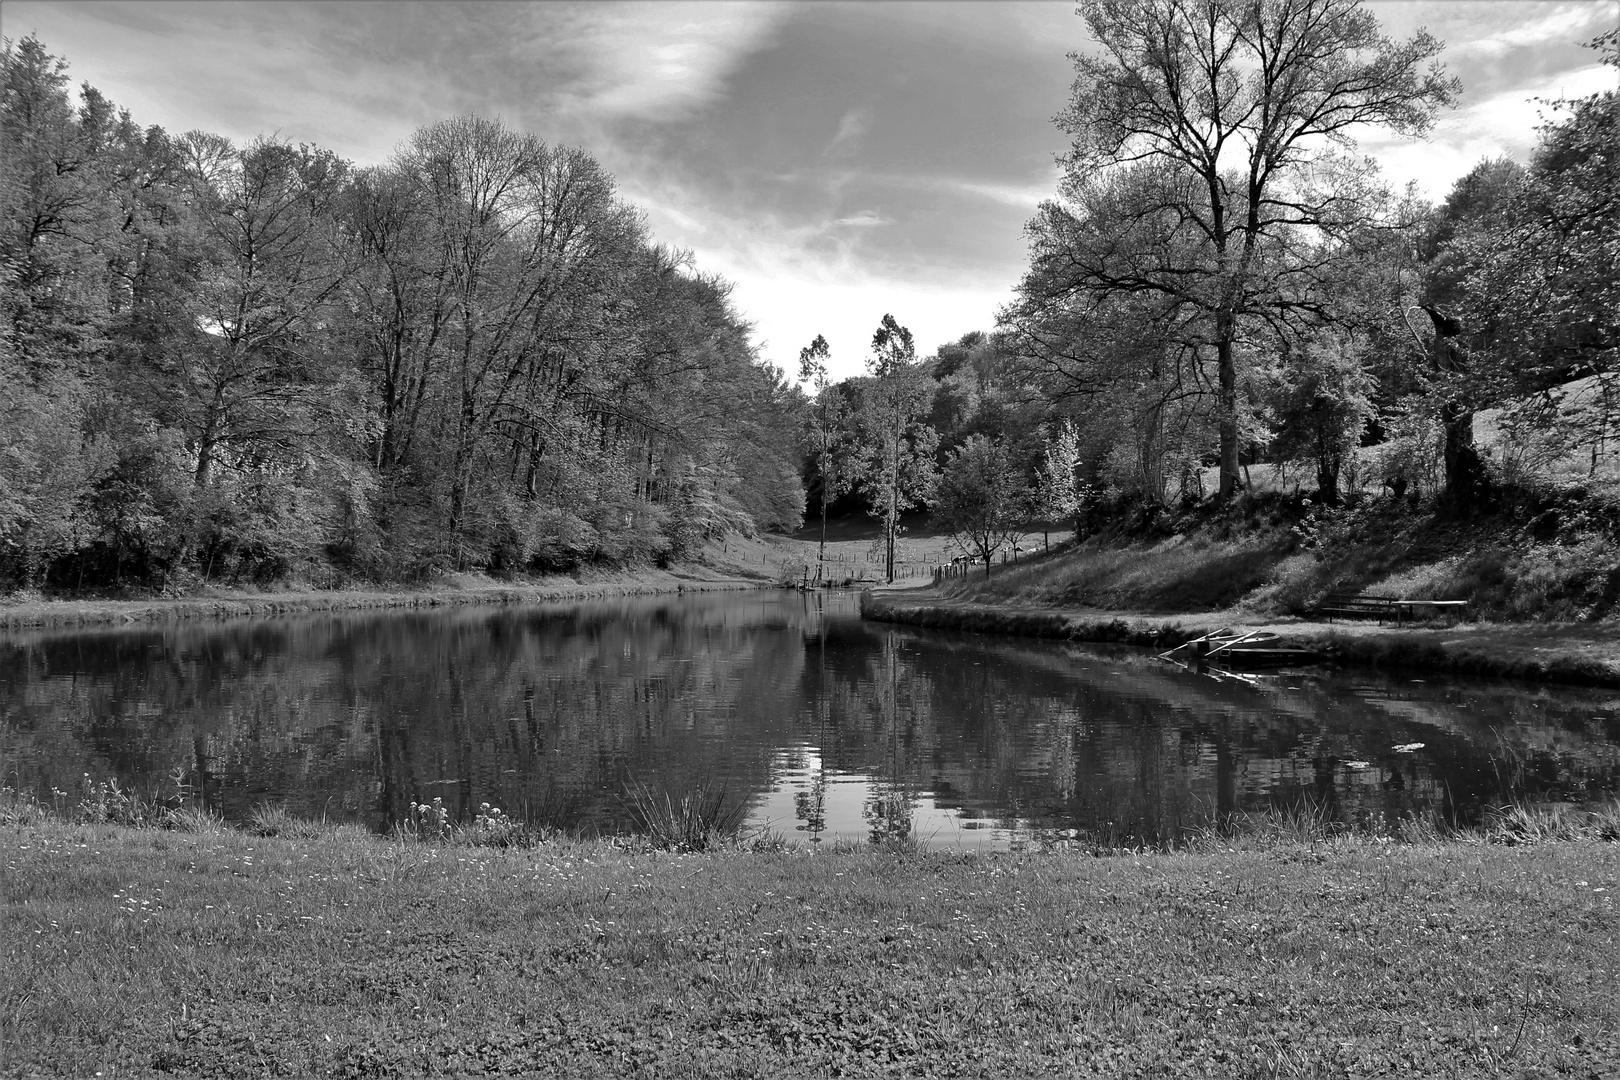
835	161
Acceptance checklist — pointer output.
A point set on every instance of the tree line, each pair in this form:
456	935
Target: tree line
1221	281
224	362
252	362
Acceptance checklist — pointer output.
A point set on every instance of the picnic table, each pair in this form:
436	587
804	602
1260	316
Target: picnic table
1399	608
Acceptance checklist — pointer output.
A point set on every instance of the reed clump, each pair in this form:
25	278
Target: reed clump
701	818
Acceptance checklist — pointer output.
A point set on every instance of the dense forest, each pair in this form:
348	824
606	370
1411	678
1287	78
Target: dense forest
260	362
250	363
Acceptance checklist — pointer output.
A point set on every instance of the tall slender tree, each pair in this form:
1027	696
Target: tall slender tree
828	415
897	442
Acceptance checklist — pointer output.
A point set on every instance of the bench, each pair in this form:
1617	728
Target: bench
1400	609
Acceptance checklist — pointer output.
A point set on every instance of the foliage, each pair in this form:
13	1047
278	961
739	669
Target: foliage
982	499
828	420
1325	407
894	443
255	362
1201	173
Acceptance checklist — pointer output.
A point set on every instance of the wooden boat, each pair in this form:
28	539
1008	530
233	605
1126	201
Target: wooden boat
1240	648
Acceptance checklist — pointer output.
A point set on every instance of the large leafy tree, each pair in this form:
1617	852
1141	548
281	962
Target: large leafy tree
1524	277
1243	109
982	498
1131	368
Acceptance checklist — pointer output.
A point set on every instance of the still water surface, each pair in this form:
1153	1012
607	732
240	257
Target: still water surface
830	727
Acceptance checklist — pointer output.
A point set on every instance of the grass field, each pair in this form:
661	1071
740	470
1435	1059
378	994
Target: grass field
143	952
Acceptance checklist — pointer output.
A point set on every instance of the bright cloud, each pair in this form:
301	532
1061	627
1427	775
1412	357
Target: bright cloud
1501	126
657	61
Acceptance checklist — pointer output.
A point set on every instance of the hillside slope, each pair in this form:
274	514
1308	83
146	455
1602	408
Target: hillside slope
1280	556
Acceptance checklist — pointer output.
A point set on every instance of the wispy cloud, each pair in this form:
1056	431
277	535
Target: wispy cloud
852	129
656	61
1564	24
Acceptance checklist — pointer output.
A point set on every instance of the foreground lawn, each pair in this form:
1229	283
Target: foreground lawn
141	952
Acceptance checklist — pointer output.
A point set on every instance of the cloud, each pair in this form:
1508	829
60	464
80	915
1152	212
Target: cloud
360	76
792	310
1564	24
658	61
1503	125
852	129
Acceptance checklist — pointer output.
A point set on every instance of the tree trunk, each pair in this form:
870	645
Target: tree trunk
1226	407
821	554
1465	473
1327	485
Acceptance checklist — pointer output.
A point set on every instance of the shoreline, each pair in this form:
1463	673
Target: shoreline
1569	654
224	605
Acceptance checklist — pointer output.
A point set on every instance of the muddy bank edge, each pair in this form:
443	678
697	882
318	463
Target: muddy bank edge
1518	654
74	613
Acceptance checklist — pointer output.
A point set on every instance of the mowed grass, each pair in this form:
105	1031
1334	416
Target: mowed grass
143	952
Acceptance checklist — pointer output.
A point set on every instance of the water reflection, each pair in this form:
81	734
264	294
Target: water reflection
834	728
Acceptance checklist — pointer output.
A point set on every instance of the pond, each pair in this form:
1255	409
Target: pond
827	726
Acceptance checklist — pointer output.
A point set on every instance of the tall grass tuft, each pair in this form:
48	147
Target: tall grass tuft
1518	824
268	819
22	808
1303	823
700	819
194	819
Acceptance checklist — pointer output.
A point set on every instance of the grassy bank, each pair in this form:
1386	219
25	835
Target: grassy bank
144	952
1274	556
223	604
734	564
1575	654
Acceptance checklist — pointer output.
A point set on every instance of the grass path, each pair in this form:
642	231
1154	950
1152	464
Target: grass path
149	953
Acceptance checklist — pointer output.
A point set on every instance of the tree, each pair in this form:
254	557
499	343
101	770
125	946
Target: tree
1524	280
828	416
531	242
896	443
1058	494
1324	406
982	498
238	359
1129	368
248	362
1238	105
1460	233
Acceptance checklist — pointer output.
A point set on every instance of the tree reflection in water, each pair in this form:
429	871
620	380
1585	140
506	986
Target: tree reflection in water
851	730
